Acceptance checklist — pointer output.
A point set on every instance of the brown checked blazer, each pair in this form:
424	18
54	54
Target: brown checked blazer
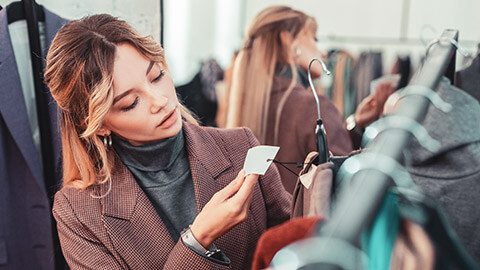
123	231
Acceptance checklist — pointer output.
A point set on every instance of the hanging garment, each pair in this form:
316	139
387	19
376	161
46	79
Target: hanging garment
280	236
297	127
468	79
311	196
368	68
452	174
199	95
402	67
342	92
26	240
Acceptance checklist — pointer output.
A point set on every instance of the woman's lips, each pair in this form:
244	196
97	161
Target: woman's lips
169	119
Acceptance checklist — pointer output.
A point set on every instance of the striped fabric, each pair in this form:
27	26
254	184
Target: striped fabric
123	230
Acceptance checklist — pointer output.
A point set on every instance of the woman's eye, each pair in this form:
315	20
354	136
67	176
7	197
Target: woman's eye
162	72
131	106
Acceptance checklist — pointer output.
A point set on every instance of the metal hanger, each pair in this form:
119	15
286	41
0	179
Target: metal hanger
320	135
404	123
445	41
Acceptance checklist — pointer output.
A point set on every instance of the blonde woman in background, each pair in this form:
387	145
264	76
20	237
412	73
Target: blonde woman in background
269	88
145	187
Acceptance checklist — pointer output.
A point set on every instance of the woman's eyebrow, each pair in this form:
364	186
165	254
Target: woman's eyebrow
150	67
117	98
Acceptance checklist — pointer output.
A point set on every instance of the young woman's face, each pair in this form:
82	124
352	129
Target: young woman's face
145	106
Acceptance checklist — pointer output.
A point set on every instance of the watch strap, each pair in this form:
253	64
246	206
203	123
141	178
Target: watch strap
189	239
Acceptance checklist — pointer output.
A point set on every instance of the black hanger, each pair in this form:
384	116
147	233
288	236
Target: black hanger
30	11
404	68
16	11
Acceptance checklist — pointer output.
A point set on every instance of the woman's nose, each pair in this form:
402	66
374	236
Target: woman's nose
159	101
323	55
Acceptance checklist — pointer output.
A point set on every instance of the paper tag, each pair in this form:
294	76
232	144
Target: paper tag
259	159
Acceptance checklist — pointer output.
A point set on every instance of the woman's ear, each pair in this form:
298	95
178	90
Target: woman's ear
286	38
103	131
289	43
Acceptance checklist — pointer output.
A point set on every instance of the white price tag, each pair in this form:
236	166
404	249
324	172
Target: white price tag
259	159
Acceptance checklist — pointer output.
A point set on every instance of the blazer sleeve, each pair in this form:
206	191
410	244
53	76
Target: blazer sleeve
83	250
277	200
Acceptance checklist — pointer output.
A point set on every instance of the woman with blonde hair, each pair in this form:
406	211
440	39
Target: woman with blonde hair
269	88
145	187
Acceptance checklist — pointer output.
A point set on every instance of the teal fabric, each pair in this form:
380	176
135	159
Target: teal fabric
349	95
378	241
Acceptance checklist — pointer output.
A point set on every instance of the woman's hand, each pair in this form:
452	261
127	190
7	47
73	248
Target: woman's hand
371	108
227	208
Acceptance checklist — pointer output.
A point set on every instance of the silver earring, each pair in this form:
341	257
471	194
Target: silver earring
298	51
107	141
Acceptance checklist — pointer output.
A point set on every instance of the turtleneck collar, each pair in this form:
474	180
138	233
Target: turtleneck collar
153	157
286	72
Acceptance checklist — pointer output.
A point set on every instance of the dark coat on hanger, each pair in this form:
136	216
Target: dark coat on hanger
296	136
25	217
468	79
123	230
452	174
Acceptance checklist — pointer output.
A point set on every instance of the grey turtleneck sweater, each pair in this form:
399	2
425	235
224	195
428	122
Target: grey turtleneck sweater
163	172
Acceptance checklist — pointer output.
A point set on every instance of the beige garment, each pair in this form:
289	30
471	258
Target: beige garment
338	87
413	249
311	196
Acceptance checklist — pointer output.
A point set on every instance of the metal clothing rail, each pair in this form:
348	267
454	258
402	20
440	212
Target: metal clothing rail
358	203
364	40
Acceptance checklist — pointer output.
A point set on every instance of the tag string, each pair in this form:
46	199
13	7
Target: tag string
281	163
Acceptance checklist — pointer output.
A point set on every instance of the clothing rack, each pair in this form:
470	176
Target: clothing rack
358	203
364	40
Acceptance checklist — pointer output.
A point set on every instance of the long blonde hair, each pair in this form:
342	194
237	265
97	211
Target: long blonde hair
255	66
79	72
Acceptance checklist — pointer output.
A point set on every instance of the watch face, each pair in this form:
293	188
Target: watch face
210	253
350	122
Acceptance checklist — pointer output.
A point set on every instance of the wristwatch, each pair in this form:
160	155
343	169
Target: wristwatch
354	131
350	121
190	240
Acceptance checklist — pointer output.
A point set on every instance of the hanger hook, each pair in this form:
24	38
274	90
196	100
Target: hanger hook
423	39
310	81
455	43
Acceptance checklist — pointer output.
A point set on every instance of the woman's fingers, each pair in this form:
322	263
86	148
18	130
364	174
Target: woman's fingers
246	189
232	187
